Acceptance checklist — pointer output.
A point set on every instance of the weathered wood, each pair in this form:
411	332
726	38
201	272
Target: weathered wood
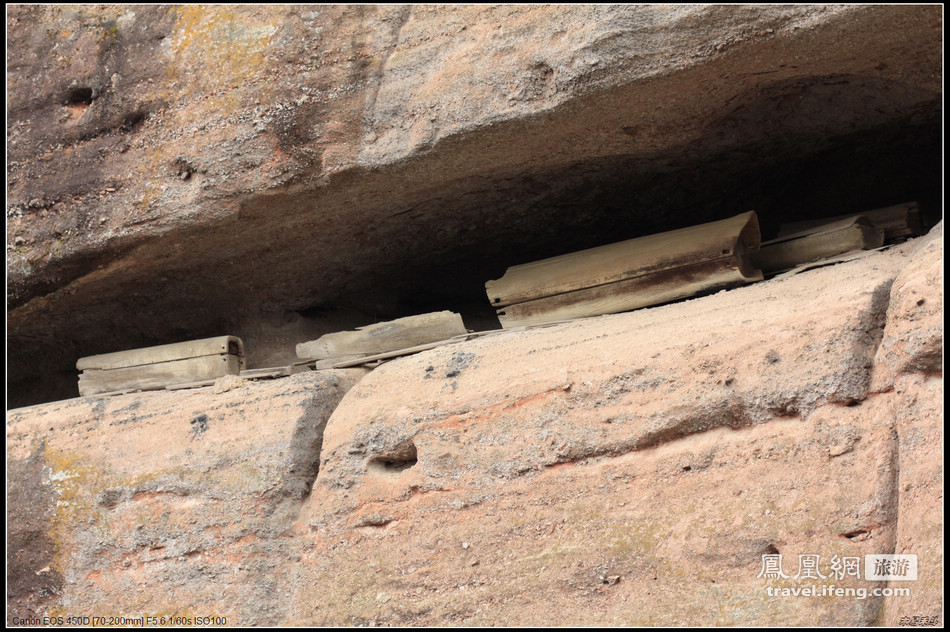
277	371
830	261
853	233
898	222
221	345
253	374
734	237
344	363
186	385
330	363
383	337
159	375
659	287
127	391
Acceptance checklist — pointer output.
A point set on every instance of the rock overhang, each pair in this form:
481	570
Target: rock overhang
410	209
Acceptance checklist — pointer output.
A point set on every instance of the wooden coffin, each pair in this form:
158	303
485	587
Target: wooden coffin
828	240
898	222
628	275
161	366
402	333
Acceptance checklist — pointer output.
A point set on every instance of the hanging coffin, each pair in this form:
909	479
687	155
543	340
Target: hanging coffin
630	274
405	334
819	242
154	368
898	222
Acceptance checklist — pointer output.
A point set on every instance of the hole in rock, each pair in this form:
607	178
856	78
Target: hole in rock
132	120
854	534
395	462
79	95
182	169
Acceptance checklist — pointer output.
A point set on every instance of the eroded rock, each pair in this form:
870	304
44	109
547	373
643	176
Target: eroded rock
913	339
176	172
631	469
167	502
660	453
614	384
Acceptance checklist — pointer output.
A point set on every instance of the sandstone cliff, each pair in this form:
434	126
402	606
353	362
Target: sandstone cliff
276	173
630	469
179	172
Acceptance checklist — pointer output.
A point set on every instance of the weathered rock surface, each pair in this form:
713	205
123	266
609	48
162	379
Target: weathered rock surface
179	172
913	339
659	453
164	503
627	469
910	355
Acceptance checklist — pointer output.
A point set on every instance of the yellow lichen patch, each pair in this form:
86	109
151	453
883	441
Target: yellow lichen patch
217	47
75	484
150	196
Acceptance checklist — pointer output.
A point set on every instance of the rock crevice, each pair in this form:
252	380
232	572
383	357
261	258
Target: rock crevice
302	174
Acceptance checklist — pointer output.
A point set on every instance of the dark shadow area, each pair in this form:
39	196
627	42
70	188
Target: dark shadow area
425	235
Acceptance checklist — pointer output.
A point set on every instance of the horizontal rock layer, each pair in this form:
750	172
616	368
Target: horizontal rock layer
180	172
630	469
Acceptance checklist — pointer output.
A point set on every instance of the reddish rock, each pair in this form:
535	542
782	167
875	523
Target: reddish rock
180	171
659	453
631	469
164	503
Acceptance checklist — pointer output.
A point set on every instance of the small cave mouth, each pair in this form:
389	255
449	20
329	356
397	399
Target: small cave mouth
394	462
856	534
79	96
132	120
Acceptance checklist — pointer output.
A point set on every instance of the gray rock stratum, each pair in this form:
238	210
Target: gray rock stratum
178	172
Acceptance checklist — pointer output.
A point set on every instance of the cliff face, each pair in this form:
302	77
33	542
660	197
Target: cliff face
631	469
274	173
277	173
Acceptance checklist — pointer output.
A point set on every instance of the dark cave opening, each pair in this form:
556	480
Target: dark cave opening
421	250
79	95
602	202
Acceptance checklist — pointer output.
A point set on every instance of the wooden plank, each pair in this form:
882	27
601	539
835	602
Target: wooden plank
733	237
828	227
185	385
343	363
898	222
660	287
328	363
220	345
277	371
158	375
383	337
127	391
784	253
830	261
